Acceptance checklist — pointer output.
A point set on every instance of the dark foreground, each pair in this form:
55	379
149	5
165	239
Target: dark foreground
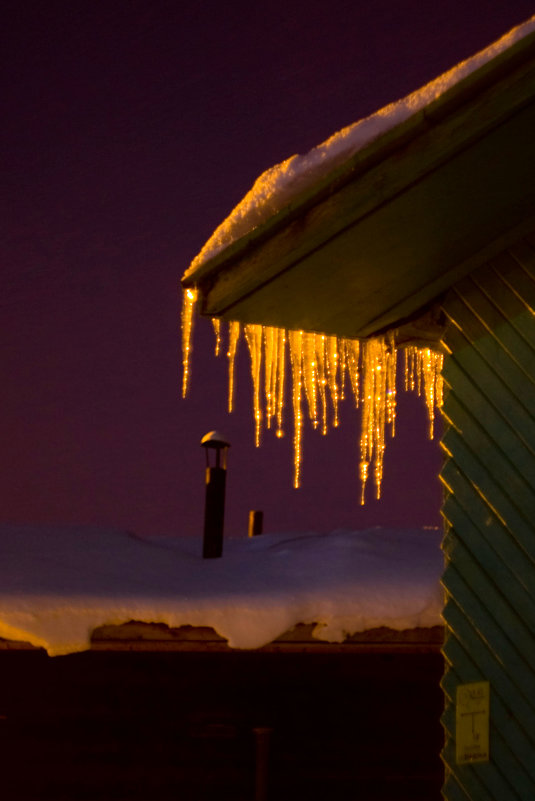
156	726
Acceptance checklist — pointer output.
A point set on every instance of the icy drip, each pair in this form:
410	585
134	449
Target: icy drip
233	339
216	322
333	361
321	366
379	360
281	373
295	339
189	300
274	372
423	372
254	339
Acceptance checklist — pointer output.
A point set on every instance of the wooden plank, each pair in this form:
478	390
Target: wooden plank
482	782
501	394
510	305
453	790
492	556
509	355
496	594
488	627
513	476
497	319
489	486
488	523
517	269
523	252
498	426
490	667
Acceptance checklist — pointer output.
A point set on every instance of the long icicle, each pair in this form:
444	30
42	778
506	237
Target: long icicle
189	299
253	337
233	339
296	358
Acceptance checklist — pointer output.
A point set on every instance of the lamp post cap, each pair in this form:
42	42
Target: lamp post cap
214	440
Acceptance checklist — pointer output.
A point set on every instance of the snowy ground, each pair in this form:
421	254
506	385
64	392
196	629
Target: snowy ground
59	583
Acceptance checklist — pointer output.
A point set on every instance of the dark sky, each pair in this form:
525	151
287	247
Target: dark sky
130	130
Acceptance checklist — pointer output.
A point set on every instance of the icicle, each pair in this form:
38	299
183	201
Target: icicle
391	378
322	380
253	337
439	381
270	371
431	366
374	404
281	373
319	367
342	357
352	358
216	322
333	360
189	300
423	372
233	339
310	375
296	358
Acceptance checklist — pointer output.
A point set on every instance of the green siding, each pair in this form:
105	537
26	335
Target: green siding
489	511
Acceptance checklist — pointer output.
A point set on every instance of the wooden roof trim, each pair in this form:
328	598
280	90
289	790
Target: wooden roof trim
490	80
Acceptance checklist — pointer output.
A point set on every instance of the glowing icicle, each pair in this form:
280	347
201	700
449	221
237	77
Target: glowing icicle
270	371
216	323
342	358
233	339
391	378
296	358
431	366
189	300
319	362
372	439
322	380
333	360
253	337
281	373
410	368
439	381
423	372
310	375
352	358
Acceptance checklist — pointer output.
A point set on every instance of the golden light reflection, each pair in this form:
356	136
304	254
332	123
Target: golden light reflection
320	367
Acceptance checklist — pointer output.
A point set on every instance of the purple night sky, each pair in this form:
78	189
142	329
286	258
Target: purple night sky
130	130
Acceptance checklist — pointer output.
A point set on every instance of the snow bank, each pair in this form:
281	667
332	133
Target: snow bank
58	584
281	184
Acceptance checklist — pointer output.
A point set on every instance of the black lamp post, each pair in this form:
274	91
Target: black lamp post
214	510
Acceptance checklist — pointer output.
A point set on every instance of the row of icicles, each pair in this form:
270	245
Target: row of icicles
321	367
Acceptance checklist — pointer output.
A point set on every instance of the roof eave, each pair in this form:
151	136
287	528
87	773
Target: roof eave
333	227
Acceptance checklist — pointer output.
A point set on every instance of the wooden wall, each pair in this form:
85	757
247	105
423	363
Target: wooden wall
489	509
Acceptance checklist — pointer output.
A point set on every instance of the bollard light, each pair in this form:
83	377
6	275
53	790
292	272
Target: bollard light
216	447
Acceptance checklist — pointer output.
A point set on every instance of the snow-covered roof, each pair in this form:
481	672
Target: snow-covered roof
60	583
283	183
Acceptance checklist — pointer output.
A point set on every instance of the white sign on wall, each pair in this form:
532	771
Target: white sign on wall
472	722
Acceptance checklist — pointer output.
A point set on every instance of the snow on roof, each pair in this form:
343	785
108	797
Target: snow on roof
60	583
281	184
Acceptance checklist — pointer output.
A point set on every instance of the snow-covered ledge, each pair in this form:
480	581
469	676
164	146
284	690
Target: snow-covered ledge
59	584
